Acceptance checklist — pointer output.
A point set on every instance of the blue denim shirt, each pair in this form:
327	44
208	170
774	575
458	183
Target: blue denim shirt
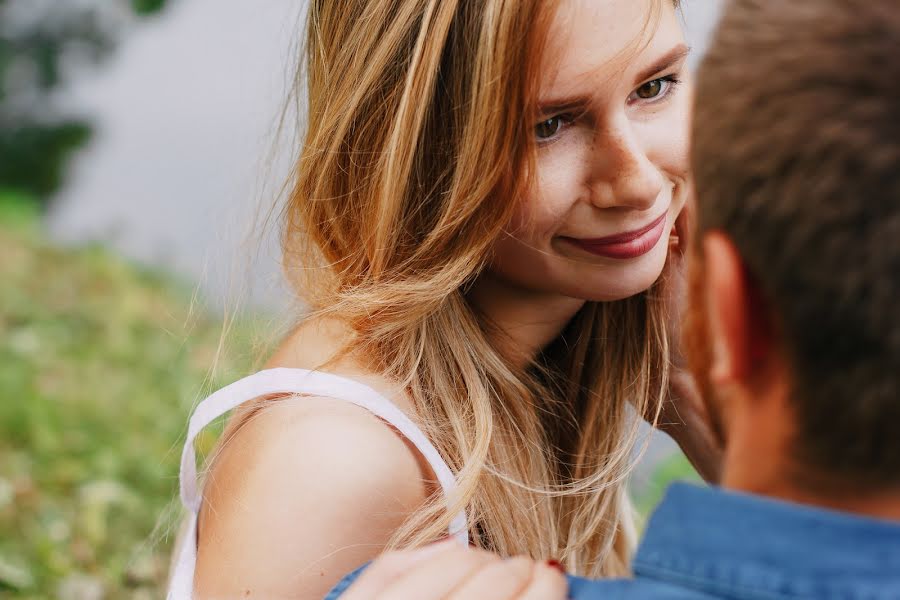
704	543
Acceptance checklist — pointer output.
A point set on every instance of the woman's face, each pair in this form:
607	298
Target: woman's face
611	154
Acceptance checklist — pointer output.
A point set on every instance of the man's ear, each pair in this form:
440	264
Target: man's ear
739	321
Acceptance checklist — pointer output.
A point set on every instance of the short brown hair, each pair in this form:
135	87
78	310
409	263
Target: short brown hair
796	148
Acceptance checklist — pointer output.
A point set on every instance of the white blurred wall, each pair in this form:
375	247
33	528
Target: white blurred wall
180	164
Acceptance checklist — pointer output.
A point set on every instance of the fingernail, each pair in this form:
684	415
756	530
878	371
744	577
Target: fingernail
555	564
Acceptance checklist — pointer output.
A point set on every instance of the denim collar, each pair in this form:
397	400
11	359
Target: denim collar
737	545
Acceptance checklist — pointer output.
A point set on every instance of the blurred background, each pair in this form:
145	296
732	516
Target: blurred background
141	149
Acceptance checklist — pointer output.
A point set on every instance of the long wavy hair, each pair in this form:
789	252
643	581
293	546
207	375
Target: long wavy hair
418	143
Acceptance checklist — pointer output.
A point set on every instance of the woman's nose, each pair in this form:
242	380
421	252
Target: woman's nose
622	176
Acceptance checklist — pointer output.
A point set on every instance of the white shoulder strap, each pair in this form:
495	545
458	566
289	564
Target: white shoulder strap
311	383
290	381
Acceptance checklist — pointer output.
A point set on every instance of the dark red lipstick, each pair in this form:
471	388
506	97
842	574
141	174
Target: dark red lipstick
630	244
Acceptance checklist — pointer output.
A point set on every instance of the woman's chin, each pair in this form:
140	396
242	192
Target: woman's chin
629	279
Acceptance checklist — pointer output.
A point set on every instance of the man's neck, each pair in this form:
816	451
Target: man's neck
763	474
882	504
760	458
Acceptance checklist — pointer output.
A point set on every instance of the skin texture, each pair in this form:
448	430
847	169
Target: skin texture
312	488
615	163
308	490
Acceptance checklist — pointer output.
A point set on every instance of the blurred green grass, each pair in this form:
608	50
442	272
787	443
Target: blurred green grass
648	494
100	362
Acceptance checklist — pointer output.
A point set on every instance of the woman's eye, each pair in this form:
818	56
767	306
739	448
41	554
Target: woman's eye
547	129
651	89
655	89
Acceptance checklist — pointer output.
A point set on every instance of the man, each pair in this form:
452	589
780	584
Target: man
794	334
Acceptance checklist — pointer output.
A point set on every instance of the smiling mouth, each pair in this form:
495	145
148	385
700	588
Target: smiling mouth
626	245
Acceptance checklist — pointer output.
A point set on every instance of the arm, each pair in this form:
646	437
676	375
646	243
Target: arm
683	416
304	492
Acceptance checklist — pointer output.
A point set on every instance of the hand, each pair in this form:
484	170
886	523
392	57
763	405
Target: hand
683	416
450	571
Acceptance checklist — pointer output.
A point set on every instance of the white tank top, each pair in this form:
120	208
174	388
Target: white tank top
290	381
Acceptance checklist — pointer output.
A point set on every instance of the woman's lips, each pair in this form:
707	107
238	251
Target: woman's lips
625	245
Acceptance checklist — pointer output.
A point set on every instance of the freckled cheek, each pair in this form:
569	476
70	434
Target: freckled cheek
667	142
680	144
534	220
554	191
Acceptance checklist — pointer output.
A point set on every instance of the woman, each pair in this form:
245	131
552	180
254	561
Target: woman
479	223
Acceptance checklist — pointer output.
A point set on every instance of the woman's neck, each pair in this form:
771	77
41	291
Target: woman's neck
529	320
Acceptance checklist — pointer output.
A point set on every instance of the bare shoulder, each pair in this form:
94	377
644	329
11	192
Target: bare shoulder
307	490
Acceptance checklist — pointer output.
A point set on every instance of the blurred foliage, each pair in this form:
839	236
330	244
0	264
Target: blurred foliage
146	7
33	155
674	468
41	41
100	362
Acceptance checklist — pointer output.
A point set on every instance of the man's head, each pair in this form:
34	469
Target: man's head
796	155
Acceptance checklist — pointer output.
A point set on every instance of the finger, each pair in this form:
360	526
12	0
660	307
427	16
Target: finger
392	566
682	221
684	226
547	583
689	211
702	448
500	580
685	390
437	576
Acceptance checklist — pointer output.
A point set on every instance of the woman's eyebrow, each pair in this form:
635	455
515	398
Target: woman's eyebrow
579	102
574	104
670	58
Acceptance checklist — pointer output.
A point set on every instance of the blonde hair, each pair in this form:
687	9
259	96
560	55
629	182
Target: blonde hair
418	136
